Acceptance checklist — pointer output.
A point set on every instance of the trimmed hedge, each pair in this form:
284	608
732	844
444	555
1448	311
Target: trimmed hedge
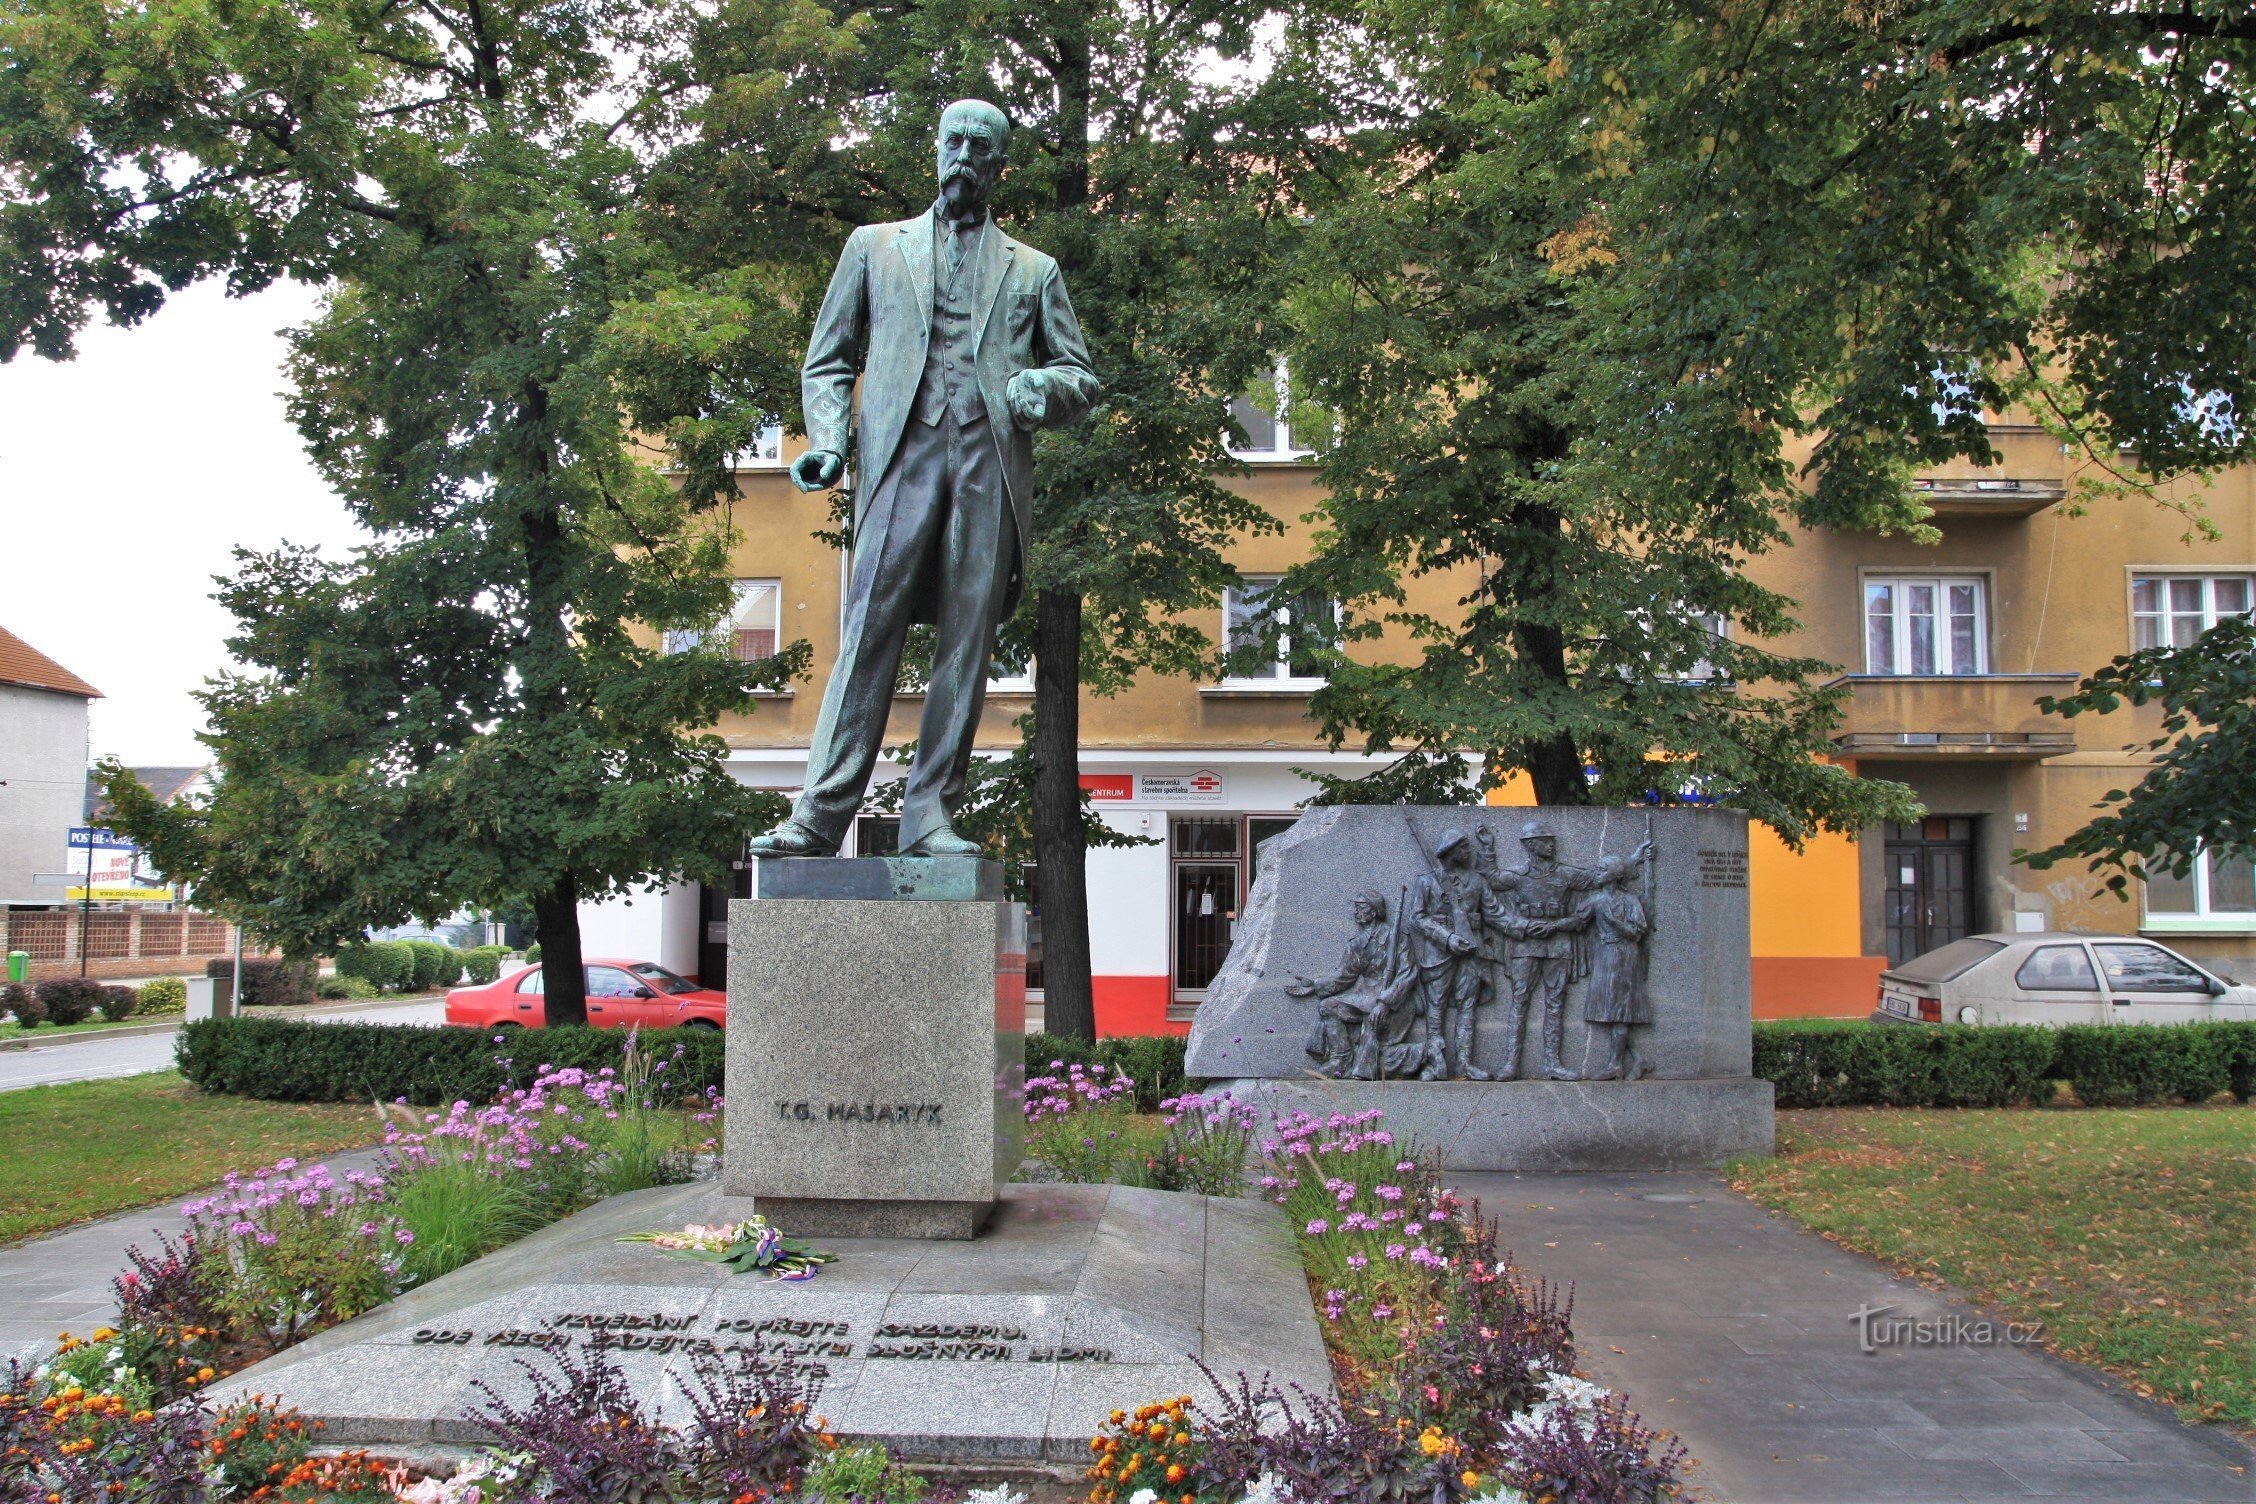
20	1000
1154	1061
285	1060
266	984
162	995
483	963
434	965
380	963
1831	1064
68	1000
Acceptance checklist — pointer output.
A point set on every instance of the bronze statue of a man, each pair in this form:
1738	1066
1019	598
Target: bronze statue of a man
965	344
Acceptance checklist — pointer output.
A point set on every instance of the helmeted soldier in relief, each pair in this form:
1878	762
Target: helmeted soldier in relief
1452	915
965	344
1543	956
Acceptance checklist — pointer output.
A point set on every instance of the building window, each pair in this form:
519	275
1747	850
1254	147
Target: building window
2213	888
2171	610
1926	626
748	633
1303	626
877	835
766	452
1005	677
1266	415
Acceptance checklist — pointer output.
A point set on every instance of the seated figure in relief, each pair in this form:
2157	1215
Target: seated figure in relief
1364	1021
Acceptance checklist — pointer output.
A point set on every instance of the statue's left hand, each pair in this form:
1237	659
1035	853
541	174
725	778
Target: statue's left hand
1028	398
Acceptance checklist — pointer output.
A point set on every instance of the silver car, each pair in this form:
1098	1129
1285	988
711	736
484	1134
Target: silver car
2057	979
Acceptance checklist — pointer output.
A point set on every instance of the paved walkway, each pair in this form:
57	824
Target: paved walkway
134	1053
1733	1328
61	1283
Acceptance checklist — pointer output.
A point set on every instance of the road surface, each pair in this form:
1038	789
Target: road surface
93	1059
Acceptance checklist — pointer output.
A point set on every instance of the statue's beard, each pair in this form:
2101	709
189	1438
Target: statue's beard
961	186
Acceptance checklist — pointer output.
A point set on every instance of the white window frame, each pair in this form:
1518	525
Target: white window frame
2201	918
1284	451
2164	613
1283	680
721	635
766	452
1020	683
1900	623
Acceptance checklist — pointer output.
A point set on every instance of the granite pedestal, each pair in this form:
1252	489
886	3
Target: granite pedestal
1076	1301
1697	1103
876	1045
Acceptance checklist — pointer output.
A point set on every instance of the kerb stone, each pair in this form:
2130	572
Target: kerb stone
876	1062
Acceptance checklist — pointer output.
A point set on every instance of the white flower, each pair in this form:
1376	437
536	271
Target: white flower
1504	1494
1001	1493
1143	1496
1265	1489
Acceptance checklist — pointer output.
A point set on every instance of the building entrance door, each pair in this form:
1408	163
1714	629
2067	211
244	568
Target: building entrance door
712	924
1206	913
1929	899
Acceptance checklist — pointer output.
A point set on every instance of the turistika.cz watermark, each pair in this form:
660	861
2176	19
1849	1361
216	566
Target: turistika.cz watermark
1877	1329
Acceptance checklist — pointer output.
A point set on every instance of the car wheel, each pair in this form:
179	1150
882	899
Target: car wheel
701	1023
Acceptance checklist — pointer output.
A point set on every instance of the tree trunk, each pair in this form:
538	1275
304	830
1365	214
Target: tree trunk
1061	851
1554	764
563	976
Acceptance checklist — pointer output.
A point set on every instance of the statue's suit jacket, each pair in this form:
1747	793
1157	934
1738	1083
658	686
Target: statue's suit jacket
880	300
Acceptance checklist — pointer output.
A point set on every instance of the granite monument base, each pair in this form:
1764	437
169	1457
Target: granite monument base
1548	1125
876	1046
1076	1301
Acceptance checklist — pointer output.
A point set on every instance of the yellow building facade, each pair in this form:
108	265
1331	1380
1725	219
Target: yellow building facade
1944	648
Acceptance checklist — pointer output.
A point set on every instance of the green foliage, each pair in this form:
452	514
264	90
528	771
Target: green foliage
432	965
1830	1063
343	988
1153	1061
162	995
23	1003
266	983
2199	792
482	963
380	963
284	1060
116	1004
1580	630
1886	1065
2114	1066
68	1000
532	954
863	1475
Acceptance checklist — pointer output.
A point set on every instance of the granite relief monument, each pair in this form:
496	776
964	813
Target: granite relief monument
1563	988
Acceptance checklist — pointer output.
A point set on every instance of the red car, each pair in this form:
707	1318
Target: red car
620	994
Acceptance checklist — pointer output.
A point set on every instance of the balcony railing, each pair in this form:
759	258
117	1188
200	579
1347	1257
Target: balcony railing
1952	715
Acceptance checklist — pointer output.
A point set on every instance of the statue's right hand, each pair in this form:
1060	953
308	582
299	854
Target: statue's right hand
818	470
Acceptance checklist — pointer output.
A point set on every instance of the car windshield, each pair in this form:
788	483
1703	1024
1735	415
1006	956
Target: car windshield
1953	960
662	980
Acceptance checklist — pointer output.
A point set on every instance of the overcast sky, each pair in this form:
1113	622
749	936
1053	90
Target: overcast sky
126	476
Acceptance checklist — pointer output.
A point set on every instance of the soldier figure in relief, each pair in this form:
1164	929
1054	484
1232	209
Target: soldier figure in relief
1539	899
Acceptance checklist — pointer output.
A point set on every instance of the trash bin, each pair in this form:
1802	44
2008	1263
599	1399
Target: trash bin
19	965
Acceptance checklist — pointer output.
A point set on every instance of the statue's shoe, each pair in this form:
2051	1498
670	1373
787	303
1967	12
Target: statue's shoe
942	841
791	839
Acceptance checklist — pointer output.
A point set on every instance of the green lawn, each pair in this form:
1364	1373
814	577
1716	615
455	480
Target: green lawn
86	1149
2130	1234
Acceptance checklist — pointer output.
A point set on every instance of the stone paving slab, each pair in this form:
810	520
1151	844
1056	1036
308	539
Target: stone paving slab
1075	1301
1732	1328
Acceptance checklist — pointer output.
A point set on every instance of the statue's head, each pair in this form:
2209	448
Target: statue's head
1616	871
1451	848
974	144
1537	838
1370	907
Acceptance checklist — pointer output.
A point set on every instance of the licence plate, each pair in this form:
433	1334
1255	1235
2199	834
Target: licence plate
1898	1002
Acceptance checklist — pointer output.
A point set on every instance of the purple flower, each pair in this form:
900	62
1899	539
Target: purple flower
1317	1227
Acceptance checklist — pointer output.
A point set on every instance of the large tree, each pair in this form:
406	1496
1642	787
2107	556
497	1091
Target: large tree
1602	638
1153	175
463	711
1858	227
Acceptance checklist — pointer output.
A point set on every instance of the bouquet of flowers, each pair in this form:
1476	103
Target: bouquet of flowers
743	1246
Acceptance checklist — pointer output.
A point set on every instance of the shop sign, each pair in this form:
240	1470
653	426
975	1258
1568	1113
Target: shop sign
1109	788
1204	786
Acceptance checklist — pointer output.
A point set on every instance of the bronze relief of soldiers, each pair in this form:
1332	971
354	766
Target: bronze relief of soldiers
1546	950
1362	1023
